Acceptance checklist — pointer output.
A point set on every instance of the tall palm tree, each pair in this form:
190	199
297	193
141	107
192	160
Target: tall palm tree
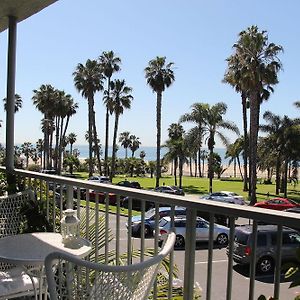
72	137
88	80
109	64
124	139
260	63
234	77
213	122
120	100
159	75
43	99
18	102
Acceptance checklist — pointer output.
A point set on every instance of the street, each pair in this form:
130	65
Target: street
240	281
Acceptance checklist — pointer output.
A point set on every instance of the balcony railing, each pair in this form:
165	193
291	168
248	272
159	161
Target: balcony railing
44	185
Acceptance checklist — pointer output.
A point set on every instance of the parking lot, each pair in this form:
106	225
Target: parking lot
240	280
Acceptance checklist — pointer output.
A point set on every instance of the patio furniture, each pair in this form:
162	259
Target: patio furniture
31	249
14	280
71	278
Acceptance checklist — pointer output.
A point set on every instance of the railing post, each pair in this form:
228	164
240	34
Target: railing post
69	197
189	260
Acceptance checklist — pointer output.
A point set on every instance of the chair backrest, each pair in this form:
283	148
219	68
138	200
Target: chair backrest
70	277
10	207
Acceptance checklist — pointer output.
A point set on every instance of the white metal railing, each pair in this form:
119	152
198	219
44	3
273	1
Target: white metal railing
42	184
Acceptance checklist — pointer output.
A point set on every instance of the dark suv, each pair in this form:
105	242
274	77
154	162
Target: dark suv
266	246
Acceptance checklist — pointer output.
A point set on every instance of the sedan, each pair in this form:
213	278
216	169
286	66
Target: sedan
220	235
169	190
150	219
99	179
277	204
132	184
225	196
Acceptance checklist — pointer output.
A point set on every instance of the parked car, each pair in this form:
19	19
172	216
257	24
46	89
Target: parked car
99	179
150	219
266	246
225	196
111	196
136	204
220	235
170	190
277	203
132	184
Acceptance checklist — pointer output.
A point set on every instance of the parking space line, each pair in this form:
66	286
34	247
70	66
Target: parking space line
214	261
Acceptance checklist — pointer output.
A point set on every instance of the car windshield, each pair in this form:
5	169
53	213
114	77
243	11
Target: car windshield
162	222
150	213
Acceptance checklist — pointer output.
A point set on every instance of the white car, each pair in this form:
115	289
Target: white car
99	179
220	235
225	196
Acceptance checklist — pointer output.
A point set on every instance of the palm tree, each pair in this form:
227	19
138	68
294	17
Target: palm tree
233	152
43	99
88	80
134	144
120	100
159	76
142	155
234	77
18	103
260	64
109	64
40	149
196	133
27	150
72	139
124	139
213	122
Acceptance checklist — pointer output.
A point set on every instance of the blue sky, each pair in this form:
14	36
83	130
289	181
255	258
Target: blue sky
196	35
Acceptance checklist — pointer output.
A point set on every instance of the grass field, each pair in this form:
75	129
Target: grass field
199	186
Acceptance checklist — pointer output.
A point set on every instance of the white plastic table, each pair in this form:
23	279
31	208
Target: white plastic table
32	249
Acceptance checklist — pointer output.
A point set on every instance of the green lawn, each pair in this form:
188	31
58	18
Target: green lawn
199	186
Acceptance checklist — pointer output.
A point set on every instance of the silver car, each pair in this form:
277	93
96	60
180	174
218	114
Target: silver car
225	196
202	231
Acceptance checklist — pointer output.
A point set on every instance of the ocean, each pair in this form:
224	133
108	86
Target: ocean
150	152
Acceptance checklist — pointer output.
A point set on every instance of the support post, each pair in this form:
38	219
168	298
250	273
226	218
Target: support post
10	105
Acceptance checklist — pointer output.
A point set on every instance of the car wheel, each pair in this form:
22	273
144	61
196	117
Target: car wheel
265	265
179	242
222	239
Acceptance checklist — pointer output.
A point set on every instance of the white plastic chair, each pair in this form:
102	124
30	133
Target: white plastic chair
14	280
70	277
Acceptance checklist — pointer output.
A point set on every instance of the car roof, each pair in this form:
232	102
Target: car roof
178	218
262	228
163	208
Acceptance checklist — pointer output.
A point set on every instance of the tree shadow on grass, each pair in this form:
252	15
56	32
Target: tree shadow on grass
192	189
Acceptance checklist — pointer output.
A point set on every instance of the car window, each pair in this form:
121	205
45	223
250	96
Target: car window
261	240
150	213
201	224
180	223
241	237
290	238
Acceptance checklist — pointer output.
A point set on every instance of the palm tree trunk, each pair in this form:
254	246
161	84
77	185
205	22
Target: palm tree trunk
277	188
254	124
113	160
57	129
246	142
97	150
239	164
158	136
106	131
195	163
190	164
199	162
175	170
180	172
234	168
90	126
285	178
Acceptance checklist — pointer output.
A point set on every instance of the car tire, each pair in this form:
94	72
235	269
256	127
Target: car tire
222	239
265	265
179	242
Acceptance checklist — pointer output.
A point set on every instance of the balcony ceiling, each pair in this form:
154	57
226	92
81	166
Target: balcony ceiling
21	9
